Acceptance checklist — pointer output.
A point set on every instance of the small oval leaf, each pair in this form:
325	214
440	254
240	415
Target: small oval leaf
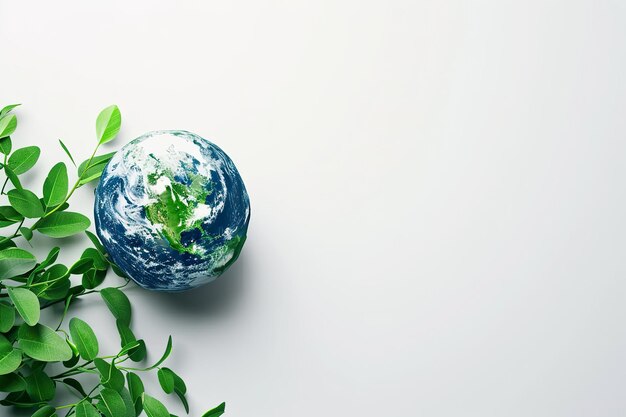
108	124
85	409
118	303
26	203
8	124
43	344
55	186
216	412
63	224
84	338
166	380
23	159
15	261
39	386
26	303
111	403
7	317
45	411
10	358
154	407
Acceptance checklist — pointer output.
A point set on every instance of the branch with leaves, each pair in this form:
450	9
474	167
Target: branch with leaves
36	359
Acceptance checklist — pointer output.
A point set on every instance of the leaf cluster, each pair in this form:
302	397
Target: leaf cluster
104	385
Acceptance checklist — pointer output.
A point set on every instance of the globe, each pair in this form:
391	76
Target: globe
171	210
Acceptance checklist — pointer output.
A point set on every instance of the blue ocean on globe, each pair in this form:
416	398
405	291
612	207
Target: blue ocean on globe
171	210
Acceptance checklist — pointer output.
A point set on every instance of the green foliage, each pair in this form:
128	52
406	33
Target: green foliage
84	338
216	412
26	203
7	125
15	261
26	303
28	287
62	224
67	152
166	379
10	358
108	124
24	159
7	317
42	343
55	186
118	303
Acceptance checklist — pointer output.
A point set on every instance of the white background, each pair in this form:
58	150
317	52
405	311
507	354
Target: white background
438	202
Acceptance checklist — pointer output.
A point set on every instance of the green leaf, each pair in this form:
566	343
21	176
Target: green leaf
183	400
13	178
111	403
154	407
6	145
96	242
93	278
92	170
54	273
139	353
128	402
168	350
15	261
52	256
26	203
126	334
12	383
8	124
71	382
74	359
118	303
179	384
84	338
10	361
85	409
63	224
26	232
39	386
8	213
216	412
10	358
6	243
81	266
55	186
7	109
24	159
118	271
98	260
7	317
166	380
56	288
67	152
87	166
110	376
19	399
128	348
26	303
108	124
43	344
90	178
136	354
135	386
45	411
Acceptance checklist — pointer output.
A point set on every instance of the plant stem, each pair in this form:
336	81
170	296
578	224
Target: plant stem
62	300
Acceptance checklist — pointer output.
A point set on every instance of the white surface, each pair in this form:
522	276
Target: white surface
438	223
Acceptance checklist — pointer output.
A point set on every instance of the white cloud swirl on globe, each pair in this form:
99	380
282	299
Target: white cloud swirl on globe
172	210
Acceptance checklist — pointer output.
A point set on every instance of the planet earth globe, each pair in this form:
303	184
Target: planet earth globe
171	210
